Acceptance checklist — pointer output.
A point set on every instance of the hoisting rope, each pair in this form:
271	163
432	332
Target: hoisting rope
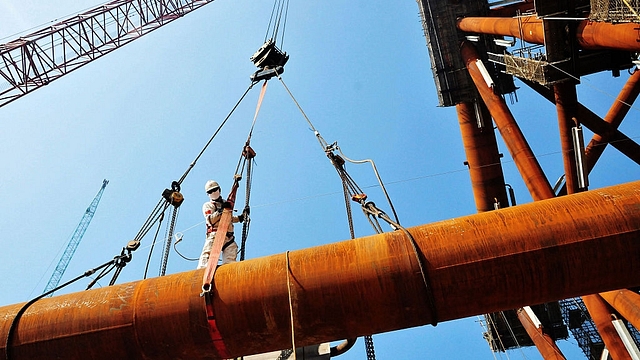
279	14
8	349
293	329
351	190
173	197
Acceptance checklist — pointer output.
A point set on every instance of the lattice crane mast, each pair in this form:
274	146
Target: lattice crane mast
74	241
36	59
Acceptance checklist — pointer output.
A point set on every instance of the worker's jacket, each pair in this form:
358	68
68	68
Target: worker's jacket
212	211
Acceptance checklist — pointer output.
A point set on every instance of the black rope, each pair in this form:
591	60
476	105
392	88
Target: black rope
153	244
123	258
191	166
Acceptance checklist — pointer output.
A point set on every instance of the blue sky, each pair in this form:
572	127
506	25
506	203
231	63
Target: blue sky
141	114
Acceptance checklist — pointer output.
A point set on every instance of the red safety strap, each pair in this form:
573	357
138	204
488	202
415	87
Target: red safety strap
216	337
216	249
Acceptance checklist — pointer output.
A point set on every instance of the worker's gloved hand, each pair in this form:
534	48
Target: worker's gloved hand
227	205
244	216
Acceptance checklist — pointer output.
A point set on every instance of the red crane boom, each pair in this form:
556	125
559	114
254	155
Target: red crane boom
36	59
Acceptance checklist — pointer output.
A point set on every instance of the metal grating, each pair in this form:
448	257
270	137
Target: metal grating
584	330
615	10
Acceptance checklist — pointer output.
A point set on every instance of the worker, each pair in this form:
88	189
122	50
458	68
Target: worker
212	211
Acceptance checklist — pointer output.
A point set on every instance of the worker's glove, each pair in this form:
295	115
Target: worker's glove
244	216
227	205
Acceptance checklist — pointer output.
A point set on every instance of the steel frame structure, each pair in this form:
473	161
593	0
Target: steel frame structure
36	59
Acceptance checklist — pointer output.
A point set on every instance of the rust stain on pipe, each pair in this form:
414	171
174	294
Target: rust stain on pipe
525	160
590	34
533	253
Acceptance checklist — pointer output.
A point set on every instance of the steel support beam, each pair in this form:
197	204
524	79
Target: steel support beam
615	115
525	160
627	303
483	158
566	100
529	254
594	123
544	343
589	34
601	315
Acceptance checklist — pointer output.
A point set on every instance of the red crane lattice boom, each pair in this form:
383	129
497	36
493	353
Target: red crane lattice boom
36	59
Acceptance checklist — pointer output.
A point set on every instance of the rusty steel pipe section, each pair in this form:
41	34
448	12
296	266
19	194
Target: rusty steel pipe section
527	28
534	253
590	35
566	101
600	313
627	303
523	156
483	158
544	343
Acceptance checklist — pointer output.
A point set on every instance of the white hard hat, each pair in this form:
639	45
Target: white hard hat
210	185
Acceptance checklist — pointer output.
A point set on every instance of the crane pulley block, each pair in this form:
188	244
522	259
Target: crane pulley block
269	56
173	195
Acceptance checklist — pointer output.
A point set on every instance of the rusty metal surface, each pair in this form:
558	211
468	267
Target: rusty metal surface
139	320
566	107
533	253
601	315
523	156
615	115
589	34
528	28
627	303
483	159
600	35
544	343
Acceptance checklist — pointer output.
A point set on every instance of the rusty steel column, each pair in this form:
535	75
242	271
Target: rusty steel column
525	160
615	115
590	35
544	343
504	259
566	100
601	315
483	158
627	303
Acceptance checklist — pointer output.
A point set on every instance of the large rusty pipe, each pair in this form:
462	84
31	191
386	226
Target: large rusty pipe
590	35
525	160
627	303
529	254
527	28
600	313
483	158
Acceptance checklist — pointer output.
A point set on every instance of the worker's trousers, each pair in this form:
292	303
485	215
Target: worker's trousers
229	252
